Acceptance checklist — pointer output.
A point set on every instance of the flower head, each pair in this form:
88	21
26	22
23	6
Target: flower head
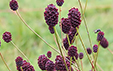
100	36
75	17
7	37
49	54
104	43
51	15
13	5
51	29
81	55
49	65
95	48
42	59
65	43
59	2
72	51
89	51
66	26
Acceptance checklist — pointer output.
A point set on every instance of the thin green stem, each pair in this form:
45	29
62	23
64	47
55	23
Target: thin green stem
60	48
70	63
81	64
5	62
21	68
97	55
84	47
110	50
77	63
68	39
35	32
20	51
85	22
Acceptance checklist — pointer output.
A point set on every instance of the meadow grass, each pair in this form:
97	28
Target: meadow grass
98	14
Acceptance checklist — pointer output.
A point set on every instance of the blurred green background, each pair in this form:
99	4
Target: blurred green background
99	15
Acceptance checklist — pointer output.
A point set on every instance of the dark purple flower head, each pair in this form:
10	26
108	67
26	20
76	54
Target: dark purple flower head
51	30
42	59
27	67
49	54
19	61
104	43
100	36
51	15
65	43
66	26
0	43
59	2
81	55
72	51
7	37
49	65
13	5
74	16
89	51
95	48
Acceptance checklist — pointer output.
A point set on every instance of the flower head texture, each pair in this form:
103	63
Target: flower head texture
51	15
42	59
59	2
104	43
66	26
7	37
81	55
72	51
95	48
75	17
19	62
49	54
49	65
51	29
65	43
100	36
89	51
27	67
13	5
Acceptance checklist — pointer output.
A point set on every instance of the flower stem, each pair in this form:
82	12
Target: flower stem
77	63
97	55
20	51
60	48
35	32
85	23
5	62
81	64
110	51
70	63
68	39
21	68
84	47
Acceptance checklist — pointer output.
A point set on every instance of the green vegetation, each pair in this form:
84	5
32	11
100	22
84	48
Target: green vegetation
98	14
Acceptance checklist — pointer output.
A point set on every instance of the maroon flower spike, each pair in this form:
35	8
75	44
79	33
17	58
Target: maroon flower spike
81	55
59	2
89	51
72	52
51	30
49	54
74	16
95	48
19	62
13	5
42	59
65	25
100	36
27	67
104	43
0	43
49	65
51	15
65	43
7	37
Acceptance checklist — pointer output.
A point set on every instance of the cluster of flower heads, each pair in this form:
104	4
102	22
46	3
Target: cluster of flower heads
23	65
103	41
46	64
